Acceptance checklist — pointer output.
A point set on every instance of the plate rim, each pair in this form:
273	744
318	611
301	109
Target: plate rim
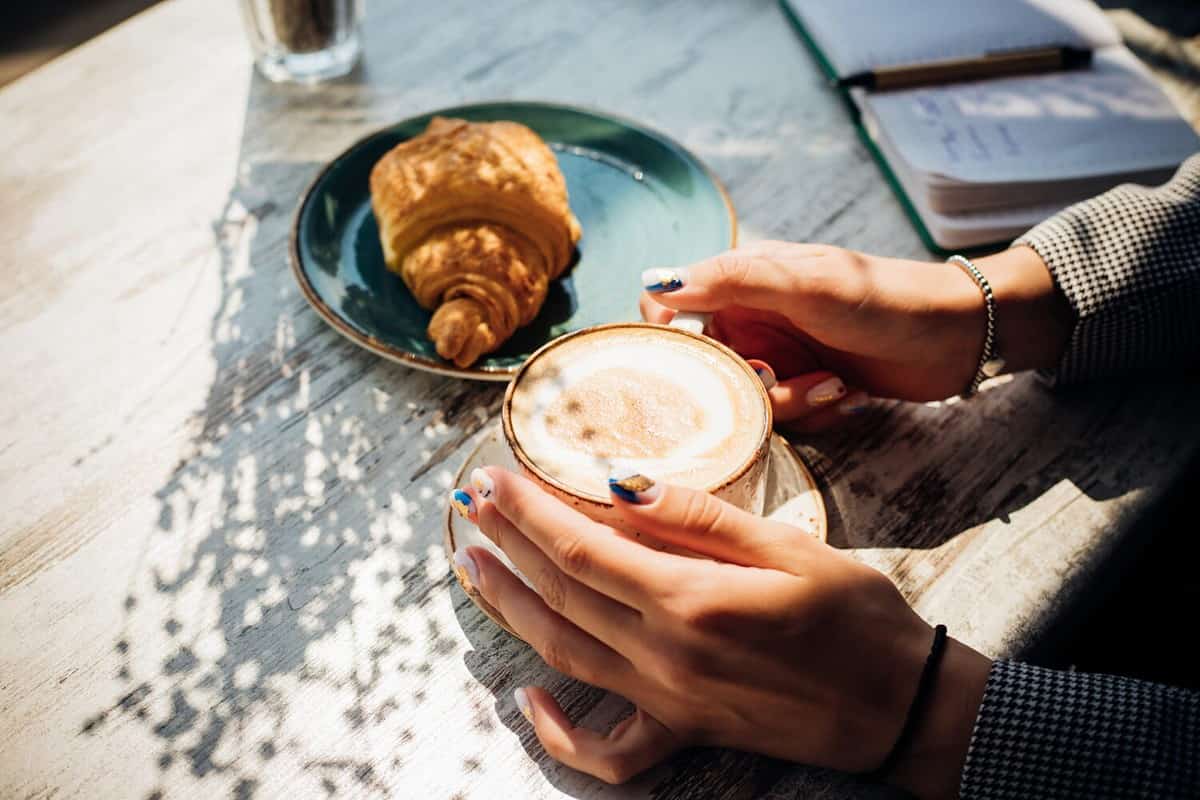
424	363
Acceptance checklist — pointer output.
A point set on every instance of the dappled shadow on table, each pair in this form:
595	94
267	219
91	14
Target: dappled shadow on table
289	561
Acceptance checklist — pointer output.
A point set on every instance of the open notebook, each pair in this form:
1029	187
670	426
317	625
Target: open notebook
979	163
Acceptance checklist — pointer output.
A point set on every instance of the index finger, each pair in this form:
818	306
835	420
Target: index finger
593	554
747	276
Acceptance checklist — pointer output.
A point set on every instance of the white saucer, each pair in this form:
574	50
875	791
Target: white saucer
792	497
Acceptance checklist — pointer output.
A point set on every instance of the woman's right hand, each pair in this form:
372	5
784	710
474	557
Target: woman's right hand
823	318
770	641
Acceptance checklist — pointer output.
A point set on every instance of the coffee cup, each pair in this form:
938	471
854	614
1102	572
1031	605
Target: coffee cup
663	401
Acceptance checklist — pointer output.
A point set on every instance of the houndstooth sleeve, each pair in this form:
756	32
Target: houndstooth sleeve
1049	734
1128	262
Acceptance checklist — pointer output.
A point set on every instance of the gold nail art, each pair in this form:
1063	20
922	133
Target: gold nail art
635	483
826	392
461	502
662	280
482	482
522	700
465	570
464	578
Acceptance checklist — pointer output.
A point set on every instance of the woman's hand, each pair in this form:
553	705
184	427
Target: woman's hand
889	327
784	647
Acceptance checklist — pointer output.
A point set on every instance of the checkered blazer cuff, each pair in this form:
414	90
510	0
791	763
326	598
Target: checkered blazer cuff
1128	262
1049	734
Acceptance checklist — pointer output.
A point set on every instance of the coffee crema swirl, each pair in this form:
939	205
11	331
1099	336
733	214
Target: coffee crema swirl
659	402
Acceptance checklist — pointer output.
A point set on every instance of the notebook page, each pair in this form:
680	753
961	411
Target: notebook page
1110	119
952	231
858	35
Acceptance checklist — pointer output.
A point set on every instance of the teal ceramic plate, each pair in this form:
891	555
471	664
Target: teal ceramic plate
641	198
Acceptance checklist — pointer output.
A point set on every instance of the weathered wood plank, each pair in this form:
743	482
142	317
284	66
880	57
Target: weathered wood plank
220	559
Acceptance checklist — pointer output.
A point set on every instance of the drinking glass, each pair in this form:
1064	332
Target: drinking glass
304	41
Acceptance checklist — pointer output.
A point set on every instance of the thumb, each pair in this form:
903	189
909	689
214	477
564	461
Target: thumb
745	277
707	525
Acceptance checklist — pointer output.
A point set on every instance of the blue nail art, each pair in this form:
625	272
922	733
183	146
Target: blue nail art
657	281
461	502
633	487
766	375
855	404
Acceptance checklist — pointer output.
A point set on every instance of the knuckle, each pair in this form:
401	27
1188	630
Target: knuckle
702	613
571	554
734	267
874	584
555	654
840	273
701	512
549	585
793	281
687	609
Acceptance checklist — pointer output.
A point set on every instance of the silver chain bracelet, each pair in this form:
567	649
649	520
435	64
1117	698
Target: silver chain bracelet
990	362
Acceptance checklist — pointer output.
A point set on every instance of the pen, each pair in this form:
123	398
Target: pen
997	64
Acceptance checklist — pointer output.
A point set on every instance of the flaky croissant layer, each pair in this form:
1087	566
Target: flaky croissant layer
475	220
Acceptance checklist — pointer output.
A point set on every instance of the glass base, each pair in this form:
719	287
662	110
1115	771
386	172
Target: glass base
323	65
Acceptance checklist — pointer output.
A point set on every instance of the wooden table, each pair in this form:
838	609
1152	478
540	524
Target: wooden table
220	524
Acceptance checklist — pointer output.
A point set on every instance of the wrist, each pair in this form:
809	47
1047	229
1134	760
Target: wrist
1033	319
961	304
931	767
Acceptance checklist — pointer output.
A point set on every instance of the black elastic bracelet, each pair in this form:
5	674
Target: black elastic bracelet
920	700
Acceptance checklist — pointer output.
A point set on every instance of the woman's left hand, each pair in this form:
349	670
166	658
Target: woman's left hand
781	645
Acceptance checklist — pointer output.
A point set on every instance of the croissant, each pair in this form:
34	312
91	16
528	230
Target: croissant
475	220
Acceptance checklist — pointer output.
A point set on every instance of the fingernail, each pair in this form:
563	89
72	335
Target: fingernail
826	392
633	487
482	482
855	403
522	700
463	503
465	568
659	280
766	375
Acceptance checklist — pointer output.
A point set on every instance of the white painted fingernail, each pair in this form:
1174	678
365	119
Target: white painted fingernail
482	483
522	700
465	568
660	280
826	392
855	403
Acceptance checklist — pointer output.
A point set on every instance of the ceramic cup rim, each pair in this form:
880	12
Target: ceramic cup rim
527	463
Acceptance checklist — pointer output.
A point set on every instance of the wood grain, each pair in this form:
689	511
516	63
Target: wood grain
220	561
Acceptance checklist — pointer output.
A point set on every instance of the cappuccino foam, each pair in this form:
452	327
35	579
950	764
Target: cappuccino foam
660	403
